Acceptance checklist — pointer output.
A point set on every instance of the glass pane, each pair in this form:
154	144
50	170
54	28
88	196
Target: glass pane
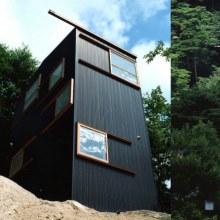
56	75
17	162
32	90
31	99
93	143
31	94
62	100
124	74
123	63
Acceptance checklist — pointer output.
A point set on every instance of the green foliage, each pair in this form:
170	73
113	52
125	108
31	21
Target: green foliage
194	37
196	171
195	108
159	50
157	113
17	66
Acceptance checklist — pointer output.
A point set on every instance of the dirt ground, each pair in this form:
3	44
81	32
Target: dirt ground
18	204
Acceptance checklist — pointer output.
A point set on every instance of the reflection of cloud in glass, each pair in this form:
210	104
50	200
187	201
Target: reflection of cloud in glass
92	143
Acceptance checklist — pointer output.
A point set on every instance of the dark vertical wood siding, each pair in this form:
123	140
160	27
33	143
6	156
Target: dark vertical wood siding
114	107
49	174
99	58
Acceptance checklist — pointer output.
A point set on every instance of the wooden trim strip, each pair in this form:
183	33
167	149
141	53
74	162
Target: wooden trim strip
55	119
30	141
131	172
95	42
119	138
108	74
93	67
27	163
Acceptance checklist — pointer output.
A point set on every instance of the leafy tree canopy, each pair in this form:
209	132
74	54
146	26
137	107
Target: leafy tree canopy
157	114
17	67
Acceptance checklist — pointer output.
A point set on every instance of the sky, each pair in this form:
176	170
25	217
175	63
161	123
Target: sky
135	25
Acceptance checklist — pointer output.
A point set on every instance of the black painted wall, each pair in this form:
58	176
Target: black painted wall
102	101
49	174
115	107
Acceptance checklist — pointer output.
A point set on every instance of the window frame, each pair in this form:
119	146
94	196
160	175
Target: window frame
53	102
128	59
25	108
87	156
62	62
70	84
20	165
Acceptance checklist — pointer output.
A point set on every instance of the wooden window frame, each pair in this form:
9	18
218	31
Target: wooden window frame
87	156
66	108
37	90
20	166
70	84
126	58
62	62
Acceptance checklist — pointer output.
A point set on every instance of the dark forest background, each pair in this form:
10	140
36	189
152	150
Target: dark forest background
195	60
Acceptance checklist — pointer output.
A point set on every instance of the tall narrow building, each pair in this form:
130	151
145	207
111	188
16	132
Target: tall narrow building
79	130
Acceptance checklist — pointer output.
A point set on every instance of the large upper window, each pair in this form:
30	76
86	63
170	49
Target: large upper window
123	68
56	74
32	93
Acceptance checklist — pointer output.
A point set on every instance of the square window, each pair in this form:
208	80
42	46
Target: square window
92	143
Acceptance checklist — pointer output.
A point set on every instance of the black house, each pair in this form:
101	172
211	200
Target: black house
79	130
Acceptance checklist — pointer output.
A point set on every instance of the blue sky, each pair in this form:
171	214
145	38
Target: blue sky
134	25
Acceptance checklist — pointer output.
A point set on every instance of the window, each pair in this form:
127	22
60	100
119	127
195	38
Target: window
123	68
17	162
56	74
92	143
64	98
32	93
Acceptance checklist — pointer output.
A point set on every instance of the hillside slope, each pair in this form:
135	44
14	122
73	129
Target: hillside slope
17	203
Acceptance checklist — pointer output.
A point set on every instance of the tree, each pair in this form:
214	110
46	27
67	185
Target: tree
17	67
195	171
161	50
157	114
194	37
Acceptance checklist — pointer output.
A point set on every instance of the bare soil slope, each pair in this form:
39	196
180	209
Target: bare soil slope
18	204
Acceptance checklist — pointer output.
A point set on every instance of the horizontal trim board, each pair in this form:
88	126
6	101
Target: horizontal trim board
97	43
30	141
108	74
119	139
108	165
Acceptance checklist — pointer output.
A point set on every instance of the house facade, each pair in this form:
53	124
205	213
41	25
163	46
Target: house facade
79	130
